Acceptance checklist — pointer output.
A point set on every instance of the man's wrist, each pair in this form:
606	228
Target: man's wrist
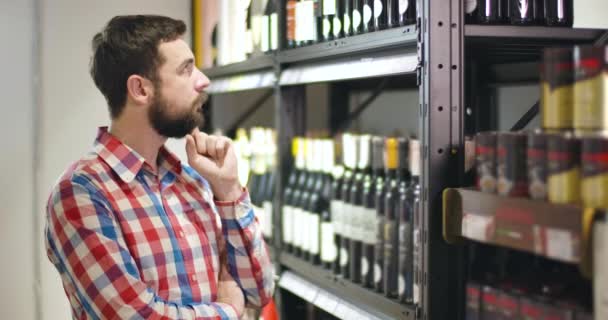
231	194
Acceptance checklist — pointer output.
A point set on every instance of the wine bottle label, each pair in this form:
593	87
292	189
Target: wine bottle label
364	267
326	27
287	223
328	246
336	207
357	223
416	293
377	273
404	4
369	226
346	229
305	234
343	256
470	6
329	7
265	43
356	19
401	285
367	14
378	7
314	234
297	221
274	31
337	26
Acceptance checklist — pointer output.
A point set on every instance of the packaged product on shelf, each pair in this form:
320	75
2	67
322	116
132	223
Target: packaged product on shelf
380	150
407	210
559	12
557	86
511	164
391	235
537	165
595	172
368	210
489	303
485	150
473	309
590	95
563	177
470	10
508	306
525	12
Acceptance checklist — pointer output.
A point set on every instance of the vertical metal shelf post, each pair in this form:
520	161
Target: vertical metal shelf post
441	107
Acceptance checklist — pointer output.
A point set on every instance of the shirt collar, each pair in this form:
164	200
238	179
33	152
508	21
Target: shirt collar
125	161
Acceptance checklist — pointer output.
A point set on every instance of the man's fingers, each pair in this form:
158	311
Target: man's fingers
190	147
201	145
211	146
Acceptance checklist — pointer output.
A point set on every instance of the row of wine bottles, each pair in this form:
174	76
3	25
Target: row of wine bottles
359	218
256	155
312	21
520	12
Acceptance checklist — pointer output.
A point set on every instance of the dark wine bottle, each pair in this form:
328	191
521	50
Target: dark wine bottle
391	240
379	150
318	21
329	16
336	210
525	12
407	12
300	192
328	246
381	20
369	214
470	10
350	162
287	212
306	215
368	16
356	201
414	192
347	18
559	12
492	11
409	191
316	204
357	16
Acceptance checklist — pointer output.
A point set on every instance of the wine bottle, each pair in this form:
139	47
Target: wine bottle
525	12
368	16
268	198
414	203
316	204
328	246
329	15
358	211
409	191
298	195
391	222
336	209
347	21
297	175
338	21
379	167
407	12
381	14
369	213
350	161
273	17
470	10
357	16
305	214
559	12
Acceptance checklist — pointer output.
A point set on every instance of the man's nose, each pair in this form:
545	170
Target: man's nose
201	82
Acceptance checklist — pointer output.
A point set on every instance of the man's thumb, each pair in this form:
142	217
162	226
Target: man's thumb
190	148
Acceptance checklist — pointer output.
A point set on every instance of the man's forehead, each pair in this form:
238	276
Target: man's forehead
175	52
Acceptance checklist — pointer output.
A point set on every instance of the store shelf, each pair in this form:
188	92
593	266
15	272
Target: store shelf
506	43
252	64
355	45
337	296
550	230
396	62
242	82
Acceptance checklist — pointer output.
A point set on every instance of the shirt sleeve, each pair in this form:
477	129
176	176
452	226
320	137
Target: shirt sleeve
85	244
246	252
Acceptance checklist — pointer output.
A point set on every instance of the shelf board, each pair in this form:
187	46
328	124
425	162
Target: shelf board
337	296
256	63
242	82
550	230
354	45
507	43
393	63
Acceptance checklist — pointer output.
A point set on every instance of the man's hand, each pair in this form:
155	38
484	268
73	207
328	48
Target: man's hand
213	157
228	291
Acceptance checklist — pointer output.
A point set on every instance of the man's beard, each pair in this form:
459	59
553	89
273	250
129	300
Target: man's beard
179	125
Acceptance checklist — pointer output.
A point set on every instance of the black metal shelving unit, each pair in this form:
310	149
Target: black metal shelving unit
454	67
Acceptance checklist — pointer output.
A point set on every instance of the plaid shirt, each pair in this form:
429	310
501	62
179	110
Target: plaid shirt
130	243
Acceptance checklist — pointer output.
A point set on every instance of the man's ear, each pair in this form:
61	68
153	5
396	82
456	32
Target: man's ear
139	89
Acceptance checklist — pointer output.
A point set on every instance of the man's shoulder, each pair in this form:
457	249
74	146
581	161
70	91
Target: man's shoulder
86	172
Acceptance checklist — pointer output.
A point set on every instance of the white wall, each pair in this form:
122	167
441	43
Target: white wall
71	107
16	160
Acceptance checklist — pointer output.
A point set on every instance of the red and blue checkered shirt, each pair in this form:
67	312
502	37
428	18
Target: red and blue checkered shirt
131	243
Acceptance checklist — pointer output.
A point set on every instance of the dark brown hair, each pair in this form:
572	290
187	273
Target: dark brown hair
129	45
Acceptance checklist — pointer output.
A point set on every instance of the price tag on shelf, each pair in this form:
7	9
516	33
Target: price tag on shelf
476	226
560	244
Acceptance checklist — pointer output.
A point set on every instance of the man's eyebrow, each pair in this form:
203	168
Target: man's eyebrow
185	63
